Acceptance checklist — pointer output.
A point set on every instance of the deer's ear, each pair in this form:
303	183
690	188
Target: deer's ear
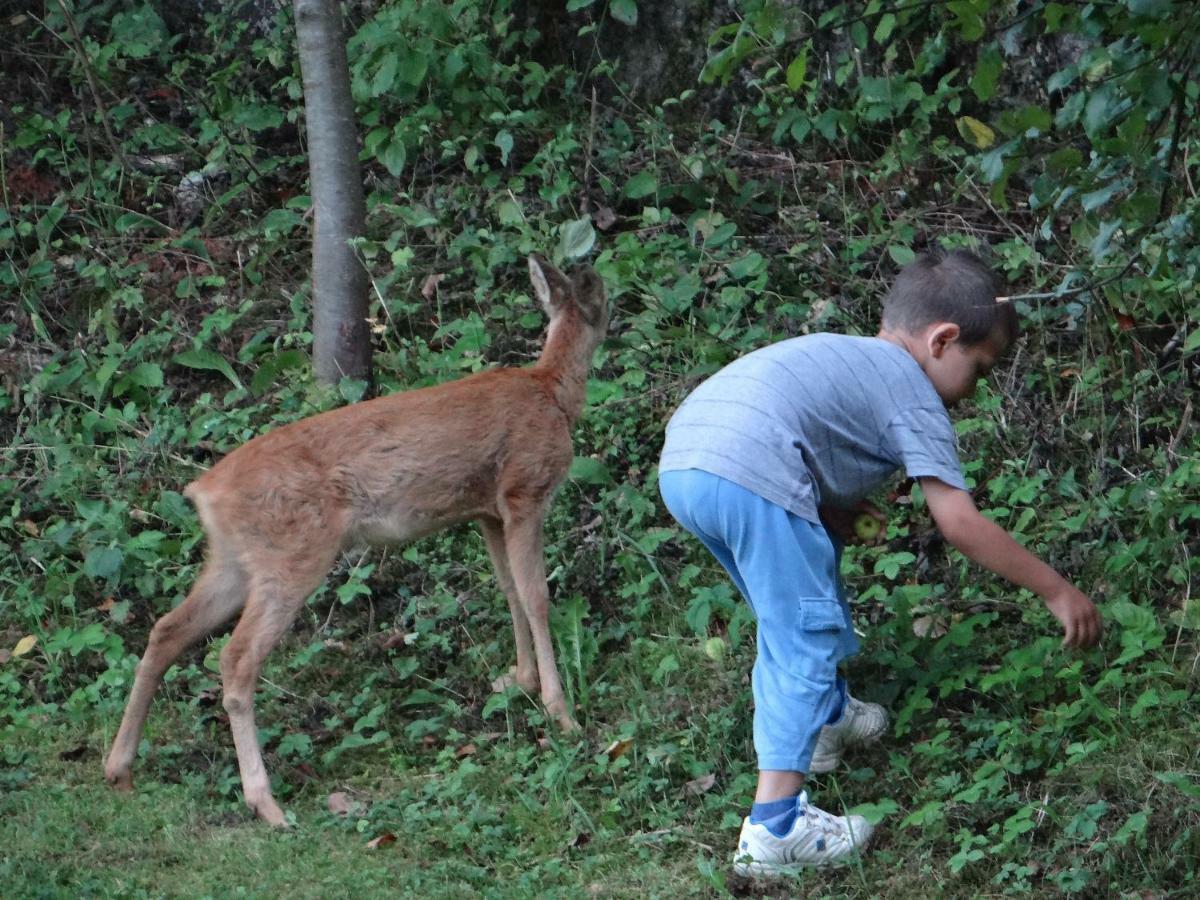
589	293
549	285
588	284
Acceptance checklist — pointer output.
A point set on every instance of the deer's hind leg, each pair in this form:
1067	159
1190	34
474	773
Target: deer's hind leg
525	672
217	595
278	589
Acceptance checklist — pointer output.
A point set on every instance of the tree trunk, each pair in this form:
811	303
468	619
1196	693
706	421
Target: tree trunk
341	338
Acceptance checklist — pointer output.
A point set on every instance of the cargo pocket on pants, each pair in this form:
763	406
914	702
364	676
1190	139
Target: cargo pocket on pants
821	615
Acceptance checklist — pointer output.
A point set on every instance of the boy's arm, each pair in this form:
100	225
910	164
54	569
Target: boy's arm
985	542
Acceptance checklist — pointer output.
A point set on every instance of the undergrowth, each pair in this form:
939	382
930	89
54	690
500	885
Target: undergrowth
155	315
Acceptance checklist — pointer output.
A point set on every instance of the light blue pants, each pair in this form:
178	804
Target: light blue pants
787	569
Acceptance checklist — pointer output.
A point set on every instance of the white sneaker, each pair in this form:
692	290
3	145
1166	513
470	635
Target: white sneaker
817	838
861	723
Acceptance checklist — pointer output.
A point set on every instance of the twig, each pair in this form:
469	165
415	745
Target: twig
1090	286
1184	421
1164	199
588	168
113	143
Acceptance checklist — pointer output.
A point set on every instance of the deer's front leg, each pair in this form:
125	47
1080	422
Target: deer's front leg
523	540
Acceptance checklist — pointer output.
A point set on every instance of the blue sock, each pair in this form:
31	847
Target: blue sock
777	815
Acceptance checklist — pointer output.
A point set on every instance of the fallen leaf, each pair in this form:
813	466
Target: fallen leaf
392	639
121	613
24	645
701	785
976	132
604	218
208	696
502	683
106	604
30	527
339	803
382	841
1124	322
305	771
464	751
617	749
429	288
929	626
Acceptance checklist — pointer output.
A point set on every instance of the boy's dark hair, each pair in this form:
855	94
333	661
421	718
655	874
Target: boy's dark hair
955	286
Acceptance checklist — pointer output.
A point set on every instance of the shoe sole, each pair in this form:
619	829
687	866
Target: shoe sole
822	765
783	870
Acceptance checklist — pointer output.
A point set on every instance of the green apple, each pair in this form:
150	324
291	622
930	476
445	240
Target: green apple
867	527
714	648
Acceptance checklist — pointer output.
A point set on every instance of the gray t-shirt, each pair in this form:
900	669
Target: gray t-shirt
819	419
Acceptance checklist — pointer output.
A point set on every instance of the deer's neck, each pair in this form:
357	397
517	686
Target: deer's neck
566	360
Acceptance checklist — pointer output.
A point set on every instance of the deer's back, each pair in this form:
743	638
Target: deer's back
395	467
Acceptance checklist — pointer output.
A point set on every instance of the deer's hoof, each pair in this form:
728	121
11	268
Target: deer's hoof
269	811
119	781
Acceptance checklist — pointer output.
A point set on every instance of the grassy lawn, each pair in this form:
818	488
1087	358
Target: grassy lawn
971	804
156	313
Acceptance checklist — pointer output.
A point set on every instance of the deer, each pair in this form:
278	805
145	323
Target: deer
278	511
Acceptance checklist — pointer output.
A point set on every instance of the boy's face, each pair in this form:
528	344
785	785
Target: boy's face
955	368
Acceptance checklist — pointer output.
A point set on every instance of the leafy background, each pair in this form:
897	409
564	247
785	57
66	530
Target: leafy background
154	314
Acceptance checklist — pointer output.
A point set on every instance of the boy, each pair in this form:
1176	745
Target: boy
800	432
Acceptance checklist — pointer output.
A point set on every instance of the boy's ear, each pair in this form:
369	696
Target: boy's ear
941	336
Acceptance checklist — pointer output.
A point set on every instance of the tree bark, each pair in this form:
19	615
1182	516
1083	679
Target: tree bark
341	338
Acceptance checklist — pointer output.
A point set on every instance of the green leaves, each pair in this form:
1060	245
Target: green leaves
976	132
589	471
987	73
280	223
797	70
1140	630
624	11
207	359
276	365
103	562
134	221
576	238
393	154
1103	106
258	116
643	184
504	141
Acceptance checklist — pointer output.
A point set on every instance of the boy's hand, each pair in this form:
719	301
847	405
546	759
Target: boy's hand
1078	615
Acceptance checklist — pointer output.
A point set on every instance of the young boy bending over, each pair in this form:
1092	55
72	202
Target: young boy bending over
803	430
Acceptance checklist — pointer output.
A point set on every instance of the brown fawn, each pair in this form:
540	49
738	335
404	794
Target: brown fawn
278	511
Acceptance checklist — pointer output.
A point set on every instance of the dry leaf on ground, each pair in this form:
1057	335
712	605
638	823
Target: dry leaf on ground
617	749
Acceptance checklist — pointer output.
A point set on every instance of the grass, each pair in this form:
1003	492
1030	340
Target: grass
1013	768
495	808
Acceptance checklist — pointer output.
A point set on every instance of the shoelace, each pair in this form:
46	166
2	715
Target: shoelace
827	822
